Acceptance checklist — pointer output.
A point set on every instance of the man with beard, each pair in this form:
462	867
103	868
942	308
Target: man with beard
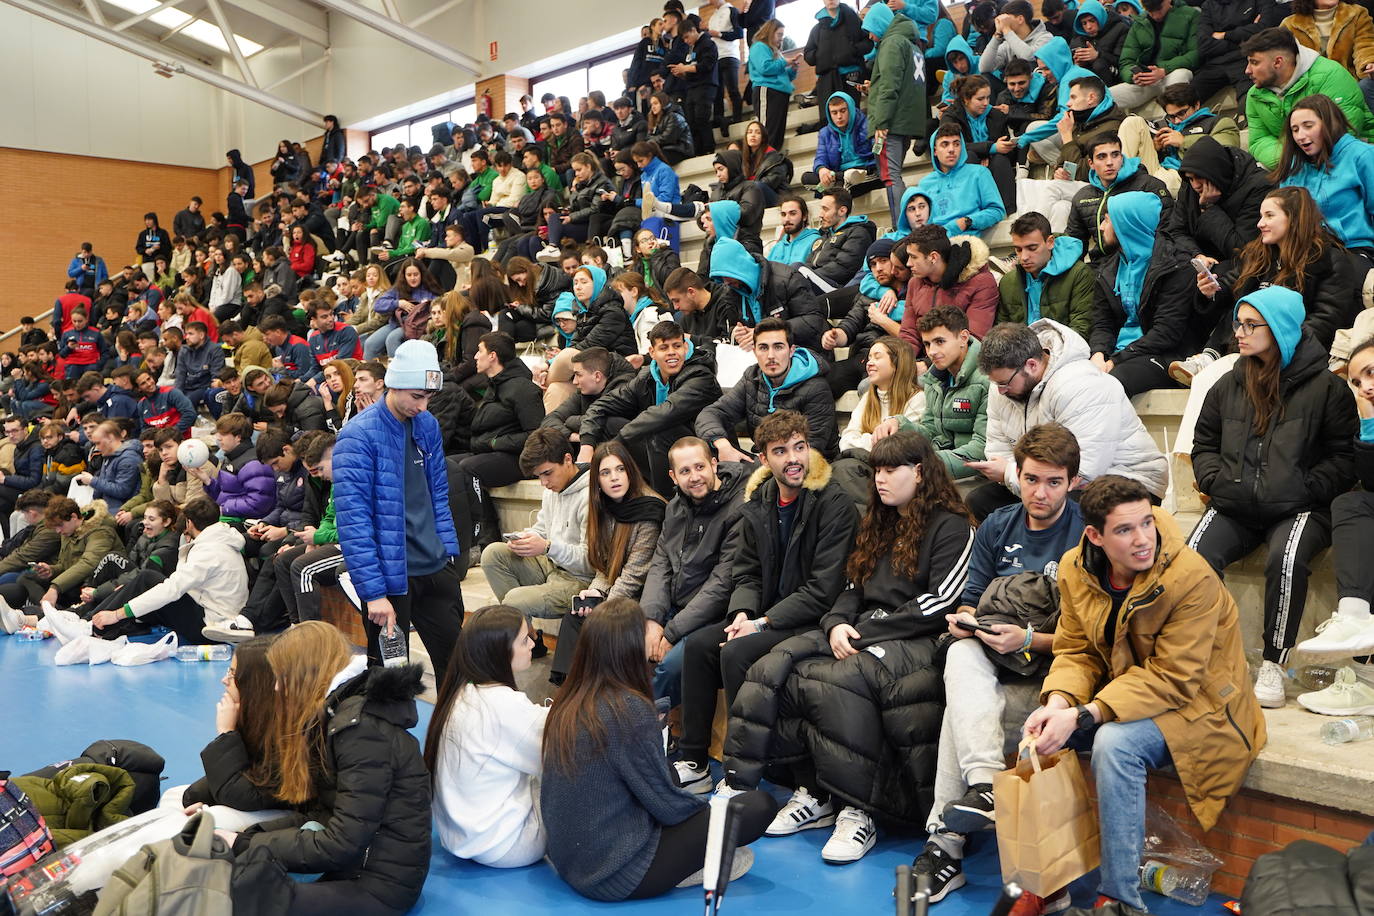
795	237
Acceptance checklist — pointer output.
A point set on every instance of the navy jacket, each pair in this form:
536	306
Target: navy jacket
167	409
198	366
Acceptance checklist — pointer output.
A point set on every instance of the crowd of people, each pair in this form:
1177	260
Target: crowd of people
377	344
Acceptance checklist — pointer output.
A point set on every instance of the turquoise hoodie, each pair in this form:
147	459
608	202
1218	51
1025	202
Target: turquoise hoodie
730	260
598	284
802	368
1129	167
725	217
1171	160
566	303
957	45
903	228
965	190
878	20
794	251
1090	8
660	386
1344	190
1057	56
1283	309
1139	10
1135	219
768	70
1067	252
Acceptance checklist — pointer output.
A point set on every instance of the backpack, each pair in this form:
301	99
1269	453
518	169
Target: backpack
24	837
187	875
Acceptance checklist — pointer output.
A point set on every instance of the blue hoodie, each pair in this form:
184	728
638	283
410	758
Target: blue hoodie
1139	10
1057	56
1129	166
803	367
1090	8
1172	160
1135	219
1067	252
965	190
768	70
794	251
848	149
957	45
1283	309
1344	190
725	218
660	386
730	260
878	20
566	303
904	227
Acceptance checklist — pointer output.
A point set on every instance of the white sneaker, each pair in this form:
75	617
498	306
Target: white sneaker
1347	696
1269	686
648	202
233	632
1341	636
10	619
802	812
855	833
727	791
1183	370
65	625
854	176
694	779
739	866
549	254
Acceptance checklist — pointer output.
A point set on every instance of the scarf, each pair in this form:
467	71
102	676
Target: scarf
633	509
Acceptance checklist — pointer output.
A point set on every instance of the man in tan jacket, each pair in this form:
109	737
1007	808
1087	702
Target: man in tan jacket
246	345
1149	669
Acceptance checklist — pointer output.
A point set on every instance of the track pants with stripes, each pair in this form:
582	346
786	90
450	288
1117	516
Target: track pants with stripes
1292	543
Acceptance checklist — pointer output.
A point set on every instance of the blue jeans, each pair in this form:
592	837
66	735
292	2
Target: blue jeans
394	338
1122	754
890	171
668	676
374	345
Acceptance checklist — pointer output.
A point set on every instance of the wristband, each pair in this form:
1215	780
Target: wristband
128	612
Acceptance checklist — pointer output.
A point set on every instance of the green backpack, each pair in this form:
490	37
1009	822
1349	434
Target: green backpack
187	875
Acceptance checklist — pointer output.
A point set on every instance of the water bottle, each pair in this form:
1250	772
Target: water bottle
1343	731
218	652
33	633
1314	677
1180	882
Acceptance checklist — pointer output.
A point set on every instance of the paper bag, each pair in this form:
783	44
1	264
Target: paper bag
1047	832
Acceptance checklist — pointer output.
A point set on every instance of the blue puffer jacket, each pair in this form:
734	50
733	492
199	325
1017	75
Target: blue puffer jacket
369	497
848	151
662	180
290	508
119	476
251	493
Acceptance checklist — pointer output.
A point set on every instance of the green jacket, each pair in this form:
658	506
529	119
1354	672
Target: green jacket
328	532
1067	297
552	180
41	547
1267	111
956	417
417	230
385	205
80	800
80	554
481	182
896	101
1177	48
139	501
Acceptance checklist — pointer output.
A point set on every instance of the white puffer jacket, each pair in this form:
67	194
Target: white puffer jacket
1092	404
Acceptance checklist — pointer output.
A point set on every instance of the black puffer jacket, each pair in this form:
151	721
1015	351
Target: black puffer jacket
551	282
742	191
859	331
996	127
1307	878
1166	300
1221	230
840	254
841	43
752	399
1239	20
376	798
689	580
1302	462
689	392
453	407
624	136
585	199
1090	205
673	136
568	415
712	323
1110	37
661	264
870	724
511	408
784	293
226	782
775	170
605	323
304	409
1330	293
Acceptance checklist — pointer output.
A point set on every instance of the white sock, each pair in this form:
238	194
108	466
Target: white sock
1354	607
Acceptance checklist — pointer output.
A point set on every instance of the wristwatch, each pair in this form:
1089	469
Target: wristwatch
762	624
1085	718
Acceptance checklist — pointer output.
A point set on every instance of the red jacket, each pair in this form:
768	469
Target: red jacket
302	258
973	292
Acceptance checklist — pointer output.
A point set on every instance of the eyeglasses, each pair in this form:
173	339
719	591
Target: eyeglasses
1003	386
1246	328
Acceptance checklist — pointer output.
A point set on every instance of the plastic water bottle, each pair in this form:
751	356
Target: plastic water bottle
32	633
1187	885
1314	677
213	653
1343	731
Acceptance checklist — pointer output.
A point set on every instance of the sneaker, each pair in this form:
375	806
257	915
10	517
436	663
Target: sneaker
973	812
648	202
695	779
233	632
855	833
10	619
855	176
1348	696
1269	686
1341	636
802	812
1183	370
549	254
946	872
739	867
727	791
1029	904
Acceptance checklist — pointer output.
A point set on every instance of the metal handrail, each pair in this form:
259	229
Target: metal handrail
12	331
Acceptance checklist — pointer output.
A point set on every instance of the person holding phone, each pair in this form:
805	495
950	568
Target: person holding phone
987	139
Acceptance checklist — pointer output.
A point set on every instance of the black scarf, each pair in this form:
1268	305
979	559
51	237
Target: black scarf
634	509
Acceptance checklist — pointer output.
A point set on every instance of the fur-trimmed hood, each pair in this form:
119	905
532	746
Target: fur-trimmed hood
387	693
94	516
979	254
816	477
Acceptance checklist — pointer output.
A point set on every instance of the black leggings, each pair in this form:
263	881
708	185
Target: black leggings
326	898
682	847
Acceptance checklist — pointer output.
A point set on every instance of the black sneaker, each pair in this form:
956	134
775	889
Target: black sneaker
946	872
540	650
973	812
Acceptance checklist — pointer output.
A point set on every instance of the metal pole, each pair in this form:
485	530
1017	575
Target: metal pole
403	33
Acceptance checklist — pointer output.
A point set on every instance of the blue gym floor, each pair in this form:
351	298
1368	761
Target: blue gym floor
53	713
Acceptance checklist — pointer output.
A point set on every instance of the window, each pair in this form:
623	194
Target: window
391	136
416	131
572	83
420	133
465	114
608	76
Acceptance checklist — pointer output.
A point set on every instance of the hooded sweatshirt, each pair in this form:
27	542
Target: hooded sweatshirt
838	149
1344	190
731	261
1002	49
1057	56
1135	218
965	190
1068	252
788	250
1111	35
562	521
725	218
769	70
1283	310
904	227
210	570
1267	110
957	45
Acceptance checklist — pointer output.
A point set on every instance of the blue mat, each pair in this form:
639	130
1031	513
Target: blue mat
54	713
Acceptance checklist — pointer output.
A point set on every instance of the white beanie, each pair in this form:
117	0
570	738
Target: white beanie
415	367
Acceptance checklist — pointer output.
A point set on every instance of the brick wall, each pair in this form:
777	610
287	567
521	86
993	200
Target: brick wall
53	202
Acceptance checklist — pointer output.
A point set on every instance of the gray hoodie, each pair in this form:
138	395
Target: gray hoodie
562	521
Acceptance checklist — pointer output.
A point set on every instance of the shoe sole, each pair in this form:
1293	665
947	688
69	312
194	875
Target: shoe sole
954	884
1321	710
849	860
1177	374
1272	702
1335	652
232	637
701	786
825	821
968	820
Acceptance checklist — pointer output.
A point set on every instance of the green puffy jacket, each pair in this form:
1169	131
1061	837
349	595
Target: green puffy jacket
1266	111
1067	294
956	417
80	800
328	532
1177	48
896	101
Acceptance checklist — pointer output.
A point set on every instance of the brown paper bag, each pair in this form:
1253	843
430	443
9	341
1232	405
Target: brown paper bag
1047	832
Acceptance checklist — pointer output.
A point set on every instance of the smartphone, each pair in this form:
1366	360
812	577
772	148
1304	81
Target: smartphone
584	606
1071	168
1203	270
513	535
393	648
965	624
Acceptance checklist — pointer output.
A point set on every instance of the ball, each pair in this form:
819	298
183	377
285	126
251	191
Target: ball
193	453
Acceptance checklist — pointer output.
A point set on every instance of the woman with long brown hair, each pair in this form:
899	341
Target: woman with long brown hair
624	517
1294	249
533	288
484	744
345	757
335	391
668	128
1274	445
891	370
764	164
618	824
906	572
